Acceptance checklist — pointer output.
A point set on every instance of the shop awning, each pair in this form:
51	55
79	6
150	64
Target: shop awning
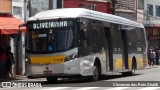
10	25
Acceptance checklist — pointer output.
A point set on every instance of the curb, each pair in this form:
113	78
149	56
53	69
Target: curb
148	67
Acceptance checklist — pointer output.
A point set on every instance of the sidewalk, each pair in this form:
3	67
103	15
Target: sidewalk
149	67
22	78
16	77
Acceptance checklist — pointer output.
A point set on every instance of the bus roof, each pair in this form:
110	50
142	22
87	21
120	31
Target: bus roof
85	13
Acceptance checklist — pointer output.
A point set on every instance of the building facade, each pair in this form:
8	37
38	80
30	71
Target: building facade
131	9
18	9
9	29
97	5
5	9
146	12
23	9
127	9
36	6
5	6
152	22
17	45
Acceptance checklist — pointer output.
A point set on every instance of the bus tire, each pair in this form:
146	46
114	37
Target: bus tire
51	79
96	72
132	72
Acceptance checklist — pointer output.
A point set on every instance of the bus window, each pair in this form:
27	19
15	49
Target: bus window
140	39
47	40
116	36
84	36
94	35
39	36
131	41
84	33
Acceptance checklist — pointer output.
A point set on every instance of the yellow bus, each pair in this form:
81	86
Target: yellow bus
77	42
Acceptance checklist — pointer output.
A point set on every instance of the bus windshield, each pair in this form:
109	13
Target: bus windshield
58	38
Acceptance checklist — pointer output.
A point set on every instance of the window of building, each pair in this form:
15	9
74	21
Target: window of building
150	9
140	4
158	11
125	4
130	4
38	6
17	12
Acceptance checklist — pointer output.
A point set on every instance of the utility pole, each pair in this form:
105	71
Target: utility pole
113	6
29	8
20	68
25	10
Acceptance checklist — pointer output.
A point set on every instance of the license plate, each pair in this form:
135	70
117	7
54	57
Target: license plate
47	72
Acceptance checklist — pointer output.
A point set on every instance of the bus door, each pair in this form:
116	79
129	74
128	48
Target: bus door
125	49
109	50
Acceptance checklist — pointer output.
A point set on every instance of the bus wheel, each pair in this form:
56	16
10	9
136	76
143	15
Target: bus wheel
96	73
51	79
132	72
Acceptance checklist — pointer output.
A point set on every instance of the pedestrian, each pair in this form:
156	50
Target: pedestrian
2	63
157	56
152	56
9	62
149	59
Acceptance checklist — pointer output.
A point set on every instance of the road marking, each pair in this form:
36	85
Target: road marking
55	88
149	88
118	88
87	88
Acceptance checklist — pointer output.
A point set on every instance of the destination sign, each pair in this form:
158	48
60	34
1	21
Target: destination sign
49	24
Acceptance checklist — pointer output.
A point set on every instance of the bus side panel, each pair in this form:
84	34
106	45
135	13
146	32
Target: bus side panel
139	59
117	48
73	66
118	62
136	47
141	48
86	65
131	37
94	46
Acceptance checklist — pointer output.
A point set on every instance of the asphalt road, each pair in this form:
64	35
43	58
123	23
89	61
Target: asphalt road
147	79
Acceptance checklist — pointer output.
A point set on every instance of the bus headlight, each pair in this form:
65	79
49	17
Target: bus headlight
72	56
28	60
